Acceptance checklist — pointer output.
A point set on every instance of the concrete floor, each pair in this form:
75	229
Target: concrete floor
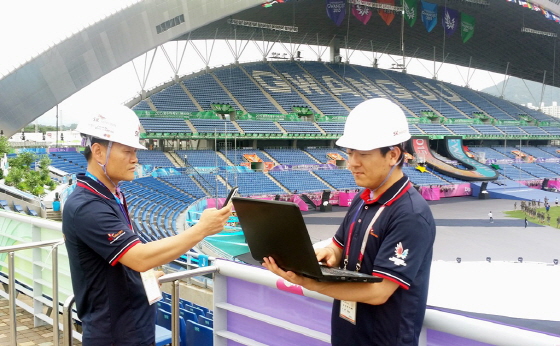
464	230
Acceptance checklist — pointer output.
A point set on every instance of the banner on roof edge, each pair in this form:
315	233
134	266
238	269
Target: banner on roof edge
336	10
467	27
387	16
450	21
361	12
429	15
410	8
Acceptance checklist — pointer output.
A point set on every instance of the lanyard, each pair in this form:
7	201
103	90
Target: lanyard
117	197
364	240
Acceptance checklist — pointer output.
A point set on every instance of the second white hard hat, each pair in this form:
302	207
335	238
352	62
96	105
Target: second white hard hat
373	124
116	124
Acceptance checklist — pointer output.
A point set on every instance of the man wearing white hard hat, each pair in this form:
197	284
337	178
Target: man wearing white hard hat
388	232
106	255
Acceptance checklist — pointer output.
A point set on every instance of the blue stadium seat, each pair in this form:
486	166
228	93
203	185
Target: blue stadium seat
199	335
205	321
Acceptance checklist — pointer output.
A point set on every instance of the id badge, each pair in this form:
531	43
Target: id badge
151	286
348	311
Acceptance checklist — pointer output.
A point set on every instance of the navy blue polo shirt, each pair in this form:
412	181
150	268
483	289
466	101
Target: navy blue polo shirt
399	248
110	297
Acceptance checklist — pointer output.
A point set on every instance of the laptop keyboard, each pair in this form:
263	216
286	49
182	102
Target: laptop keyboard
339	272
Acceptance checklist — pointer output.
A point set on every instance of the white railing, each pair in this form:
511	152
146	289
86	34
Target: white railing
230	277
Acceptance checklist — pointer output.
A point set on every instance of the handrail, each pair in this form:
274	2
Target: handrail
28	246
174	279
67	321
12	283
35	221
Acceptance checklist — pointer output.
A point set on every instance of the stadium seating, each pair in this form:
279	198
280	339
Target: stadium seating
199	335
276	86
300	127
214	126
206	91
173	98
339	179
490	153
423	179
320	154
514	173
331	81
393	90
236	155
536	170
301	181
257	183
309	87
332	128
254	126
165	125
201	158
154	158
291	157
433	99
481	103
245	91
70	162
142	106
462	129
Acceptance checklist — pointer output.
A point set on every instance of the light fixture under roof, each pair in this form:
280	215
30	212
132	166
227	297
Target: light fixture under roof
251	24
539	32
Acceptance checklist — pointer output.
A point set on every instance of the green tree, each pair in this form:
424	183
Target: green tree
21	176
4	146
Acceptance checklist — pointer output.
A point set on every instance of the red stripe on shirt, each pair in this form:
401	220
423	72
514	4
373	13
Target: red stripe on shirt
391	279
337	244
92	190
114	263
400	194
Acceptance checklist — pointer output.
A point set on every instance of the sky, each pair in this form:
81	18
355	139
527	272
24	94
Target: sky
29	27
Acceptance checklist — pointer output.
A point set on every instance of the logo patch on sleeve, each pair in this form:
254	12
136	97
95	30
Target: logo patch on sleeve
400	255
114	236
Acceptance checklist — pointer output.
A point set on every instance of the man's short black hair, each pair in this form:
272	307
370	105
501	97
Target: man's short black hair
87	149
385	150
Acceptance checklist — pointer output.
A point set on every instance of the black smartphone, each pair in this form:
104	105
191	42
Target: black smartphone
232	193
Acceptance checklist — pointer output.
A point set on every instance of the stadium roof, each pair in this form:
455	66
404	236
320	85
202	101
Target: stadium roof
46	80
497	39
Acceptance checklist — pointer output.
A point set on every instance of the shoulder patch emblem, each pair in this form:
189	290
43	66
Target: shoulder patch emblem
400	255
112	237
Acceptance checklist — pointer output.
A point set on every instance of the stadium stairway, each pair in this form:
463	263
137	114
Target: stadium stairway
513	190
174	159
277	182
239	105
193	99
270	158
151	104
322	180
311	156
236	125
191	126
319	128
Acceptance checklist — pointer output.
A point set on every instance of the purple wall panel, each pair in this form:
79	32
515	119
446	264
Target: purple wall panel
300	310
267	333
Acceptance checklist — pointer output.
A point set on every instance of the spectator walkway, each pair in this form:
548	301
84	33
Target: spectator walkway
27	334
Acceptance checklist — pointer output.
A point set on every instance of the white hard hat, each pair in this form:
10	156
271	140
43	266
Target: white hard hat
373	124
116	124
